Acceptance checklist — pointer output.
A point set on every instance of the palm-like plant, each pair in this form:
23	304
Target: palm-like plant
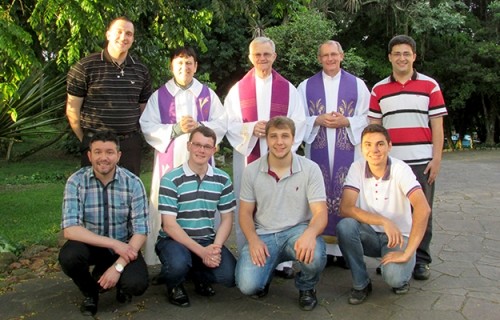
37	105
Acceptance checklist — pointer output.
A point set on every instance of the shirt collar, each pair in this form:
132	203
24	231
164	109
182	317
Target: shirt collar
387	174
335	77
118	176
106	57
413	76
296	167
188	172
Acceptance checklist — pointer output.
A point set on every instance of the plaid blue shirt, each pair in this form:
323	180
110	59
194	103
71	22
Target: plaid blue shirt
118	210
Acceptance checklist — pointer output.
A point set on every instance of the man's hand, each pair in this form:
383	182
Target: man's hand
394	235
188	124
433	167
260	129
332	120
126	251
212	255
110	278
258	252
304	247
395	257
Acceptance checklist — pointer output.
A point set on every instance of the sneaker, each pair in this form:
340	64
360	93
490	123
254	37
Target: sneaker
358	296
421	272
178	296
89	306
307	299
402	290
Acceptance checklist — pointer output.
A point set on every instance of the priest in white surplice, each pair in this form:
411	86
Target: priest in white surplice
260	95
336	103
172	112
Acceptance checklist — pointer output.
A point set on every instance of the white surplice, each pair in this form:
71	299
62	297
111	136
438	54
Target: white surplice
240	135
356	123
158	135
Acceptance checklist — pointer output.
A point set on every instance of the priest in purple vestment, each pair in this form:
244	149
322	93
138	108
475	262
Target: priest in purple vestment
336	104
172	112
259	96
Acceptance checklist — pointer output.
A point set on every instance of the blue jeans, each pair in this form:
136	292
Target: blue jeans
251	278
357	240
177	262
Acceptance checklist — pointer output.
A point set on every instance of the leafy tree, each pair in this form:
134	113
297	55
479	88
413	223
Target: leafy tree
297	42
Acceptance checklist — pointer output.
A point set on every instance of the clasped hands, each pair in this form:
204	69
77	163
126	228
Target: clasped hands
332	120
259	130
212	255
188	124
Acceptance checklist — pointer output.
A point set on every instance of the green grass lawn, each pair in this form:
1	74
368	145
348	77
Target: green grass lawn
31	193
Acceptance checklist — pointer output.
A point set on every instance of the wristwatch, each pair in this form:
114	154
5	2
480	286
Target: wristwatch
119	267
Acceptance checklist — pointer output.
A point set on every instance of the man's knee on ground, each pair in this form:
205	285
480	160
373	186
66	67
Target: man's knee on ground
393	275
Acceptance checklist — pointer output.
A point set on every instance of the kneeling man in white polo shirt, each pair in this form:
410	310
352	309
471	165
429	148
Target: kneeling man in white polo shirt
377	199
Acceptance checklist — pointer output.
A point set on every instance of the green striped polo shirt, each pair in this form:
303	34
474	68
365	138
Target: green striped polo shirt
194	201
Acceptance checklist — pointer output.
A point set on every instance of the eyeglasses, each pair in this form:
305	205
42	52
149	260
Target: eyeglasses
402	54
266	55
199	146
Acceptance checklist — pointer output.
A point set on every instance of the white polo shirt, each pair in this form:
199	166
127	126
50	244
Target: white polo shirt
387	196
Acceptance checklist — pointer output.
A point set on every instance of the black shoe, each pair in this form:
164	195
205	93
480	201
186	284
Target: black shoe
307	299
402	290
178	296
204	289
421	272
123	297
286	273
336	261
89	306
158	279
358	296
262	293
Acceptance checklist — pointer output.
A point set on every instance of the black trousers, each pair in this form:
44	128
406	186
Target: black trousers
424	249
76	258
130	146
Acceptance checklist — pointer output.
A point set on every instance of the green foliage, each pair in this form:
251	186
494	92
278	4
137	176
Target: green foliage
297	43
16	56
37	104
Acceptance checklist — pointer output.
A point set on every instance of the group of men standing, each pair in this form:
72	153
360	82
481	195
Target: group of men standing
285	205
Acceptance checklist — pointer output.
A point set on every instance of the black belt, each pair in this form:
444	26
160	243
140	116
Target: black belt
120	136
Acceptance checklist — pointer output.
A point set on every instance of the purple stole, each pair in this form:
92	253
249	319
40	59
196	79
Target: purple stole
166	104
344	150
248	102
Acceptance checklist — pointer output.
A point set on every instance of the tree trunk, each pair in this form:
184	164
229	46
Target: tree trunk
490	117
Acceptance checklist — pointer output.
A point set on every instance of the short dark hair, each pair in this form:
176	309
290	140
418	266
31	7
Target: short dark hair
124	18
206	132
376	128
403	39
185	51
280	122
105	136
